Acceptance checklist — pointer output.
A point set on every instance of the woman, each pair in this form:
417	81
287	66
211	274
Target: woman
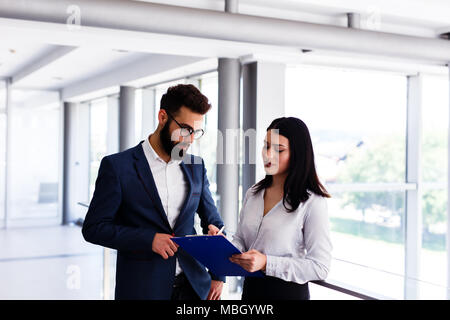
283	228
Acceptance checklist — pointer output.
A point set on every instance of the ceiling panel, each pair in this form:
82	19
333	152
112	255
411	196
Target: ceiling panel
79	64
15	55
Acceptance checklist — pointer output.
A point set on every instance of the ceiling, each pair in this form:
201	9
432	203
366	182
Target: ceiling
15	55
76	65
398	16
40	56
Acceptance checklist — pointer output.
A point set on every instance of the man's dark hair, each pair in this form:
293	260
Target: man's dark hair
184	95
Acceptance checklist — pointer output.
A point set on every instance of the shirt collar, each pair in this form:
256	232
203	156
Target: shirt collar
154	156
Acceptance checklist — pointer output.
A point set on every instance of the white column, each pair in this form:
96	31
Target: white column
264	101
68	108
112	138
249	97
76	159
127	137
228	148
413	212
270	104
149	106
229	73
4	223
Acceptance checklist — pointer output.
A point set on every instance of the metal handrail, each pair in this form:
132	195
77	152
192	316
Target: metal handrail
329	284
83	204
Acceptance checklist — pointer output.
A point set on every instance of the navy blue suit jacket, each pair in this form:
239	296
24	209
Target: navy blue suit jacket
126	212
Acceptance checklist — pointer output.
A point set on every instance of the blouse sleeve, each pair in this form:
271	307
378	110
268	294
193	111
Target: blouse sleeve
238	238
316	263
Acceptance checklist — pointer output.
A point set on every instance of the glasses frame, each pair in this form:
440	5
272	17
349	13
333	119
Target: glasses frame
186	127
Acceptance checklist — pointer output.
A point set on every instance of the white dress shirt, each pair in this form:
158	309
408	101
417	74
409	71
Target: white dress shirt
297	244
167	175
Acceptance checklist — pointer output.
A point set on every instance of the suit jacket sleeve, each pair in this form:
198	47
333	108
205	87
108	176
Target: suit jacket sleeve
208	212
99	226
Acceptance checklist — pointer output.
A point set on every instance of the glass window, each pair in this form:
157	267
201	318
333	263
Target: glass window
208	143
368	228
98	139
53	262
2	96
434	174
2	166
138	116
357	121
2	150
34	154
104	140
79	160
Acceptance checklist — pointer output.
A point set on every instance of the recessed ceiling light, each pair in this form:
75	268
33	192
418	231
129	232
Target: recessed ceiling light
120	50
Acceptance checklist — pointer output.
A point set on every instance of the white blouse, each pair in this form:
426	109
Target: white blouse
297	244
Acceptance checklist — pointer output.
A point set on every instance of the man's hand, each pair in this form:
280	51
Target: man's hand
213	230
216	290
163	246
251	261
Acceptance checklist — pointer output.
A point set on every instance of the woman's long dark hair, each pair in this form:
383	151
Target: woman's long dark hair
302	174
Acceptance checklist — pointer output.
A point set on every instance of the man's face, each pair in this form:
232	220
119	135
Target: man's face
172	141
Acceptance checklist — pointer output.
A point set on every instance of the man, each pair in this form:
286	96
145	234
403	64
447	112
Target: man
150	193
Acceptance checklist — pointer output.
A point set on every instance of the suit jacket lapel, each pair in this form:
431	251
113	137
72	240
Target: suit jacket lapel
145	175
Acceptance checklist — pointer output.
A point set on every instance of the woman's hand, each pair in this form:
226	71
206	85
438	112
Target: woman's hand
251	261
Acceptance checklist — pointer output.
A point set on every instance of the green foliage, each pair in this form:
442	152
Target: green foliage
367	230
434	156
434	205
383	159
380	160
372	231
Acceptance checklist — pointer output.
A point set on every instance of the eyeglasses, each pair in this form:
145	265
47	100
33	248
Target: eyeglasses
186	130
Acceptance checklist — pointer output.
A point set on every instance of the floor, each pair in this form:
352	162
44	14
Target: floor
49	263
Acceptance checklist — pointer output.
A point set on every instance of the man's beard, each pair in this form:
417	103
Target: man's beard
172	148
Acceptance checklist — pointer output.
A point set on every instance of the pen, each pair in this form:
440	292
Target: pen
220	231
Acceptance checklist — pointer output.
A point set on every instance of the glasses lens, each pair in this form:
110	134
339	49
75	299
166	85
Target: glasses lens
185	132
198	133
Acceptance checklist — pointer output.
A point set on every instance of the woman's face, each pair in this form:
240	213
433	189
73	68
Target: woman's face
275	153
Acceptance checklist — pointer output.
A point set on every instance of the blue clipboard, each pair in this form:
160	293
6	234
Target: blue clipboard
213	252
